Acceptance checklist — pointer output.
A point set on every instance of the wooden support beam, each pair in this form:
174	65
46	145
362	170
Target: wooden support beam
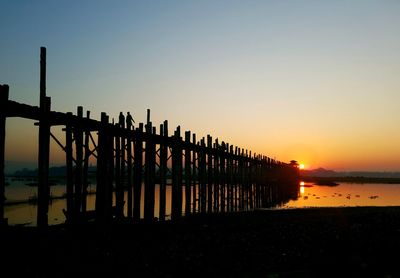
194	175
4	93
209	175
222	176
129	183
101	175
163	169
44	147
176	176
43	165
203	177
188	174
86	167
236	178
216	177
78	135
149	182
137	174
69	168
120	168
231	180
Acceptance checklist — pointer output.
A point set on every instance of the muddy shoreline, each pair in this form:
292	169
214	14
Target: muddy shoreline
315	242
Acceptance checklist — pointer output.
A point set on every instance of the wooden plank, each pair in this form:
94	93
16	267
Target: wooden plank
4	93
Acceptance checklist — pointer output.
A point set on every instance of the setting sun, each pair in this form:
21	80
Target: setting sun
301	166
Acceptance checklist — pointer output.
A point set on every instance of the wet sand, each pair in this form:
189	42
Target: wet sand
323	242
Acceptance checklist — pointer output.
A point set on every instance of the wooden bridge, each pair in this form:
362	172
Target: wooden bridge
207	176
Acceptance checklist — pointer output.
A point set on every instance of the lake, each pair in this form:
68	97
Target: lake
343	195
346	195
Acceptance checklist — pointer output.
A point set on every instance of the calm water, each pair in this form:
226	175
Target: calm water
345	194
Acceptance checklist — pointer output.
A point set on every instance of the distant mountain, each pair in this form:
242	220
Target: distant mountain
324	173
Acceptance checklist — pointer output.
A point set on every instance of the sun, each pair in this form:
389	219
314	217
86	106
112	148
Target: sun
301	166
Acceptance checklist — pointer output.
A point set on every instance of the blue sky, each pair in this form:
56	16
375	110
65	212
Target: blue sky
315	81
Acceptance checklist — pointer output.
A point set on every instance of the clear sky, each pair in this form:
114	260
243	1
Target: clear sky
316	81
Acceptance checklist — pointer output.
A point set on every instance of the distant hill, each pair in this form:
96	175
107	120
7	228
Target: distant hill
53	172
324	173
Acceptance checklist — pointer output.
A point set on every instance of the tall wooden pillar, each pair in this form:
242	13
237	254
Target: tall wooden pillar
177	176
120	166
209	174
216	177
78	134
4	90
44	147
149	182
188	173
69	167
137	174
163	169
129	183
194	175
86	166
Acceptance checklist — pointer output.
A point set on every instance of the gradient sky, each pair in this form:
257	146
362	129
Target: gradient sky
315	81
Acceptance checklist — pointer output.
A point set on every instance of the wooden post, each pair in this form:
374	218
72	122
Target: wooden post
120	166
176	176
209	174
44	147
149	182
69	167
236	193
250	182
78	134
137	175
222	176
101	190
4	91
43	158
129	126
86	166
203	178
188	173
163	169
194	176
216	176
241	179
231	179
